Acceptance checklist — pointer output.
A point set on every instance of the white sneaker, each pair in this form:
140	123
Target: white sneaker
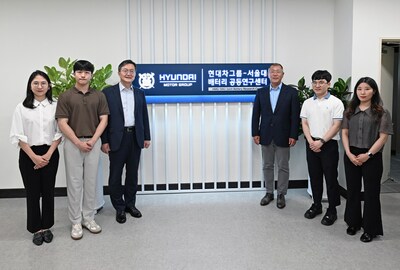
92	226
76	232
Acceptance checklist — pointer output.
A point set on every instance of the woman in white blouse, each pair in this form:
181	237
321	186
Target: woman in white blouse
34	129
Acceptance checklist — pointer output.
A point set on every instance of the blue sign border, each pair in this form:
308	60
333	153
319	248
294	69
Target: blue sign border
200	83
199	99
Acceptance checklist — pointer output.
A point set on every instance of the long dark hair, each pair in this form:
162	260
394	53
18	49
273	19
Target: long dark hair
376	101
28	101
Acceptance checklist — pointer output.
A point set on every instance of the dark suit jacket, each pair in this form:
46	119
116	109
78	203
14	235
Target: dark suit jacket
280	125
115	128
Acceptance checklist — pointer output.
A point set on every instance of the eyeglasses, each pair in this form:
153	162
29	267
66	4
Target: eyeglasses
37	84
319	82
128	71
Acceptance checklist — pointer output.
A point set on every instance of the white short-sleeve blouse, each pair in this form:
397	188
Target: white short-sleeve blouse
36	126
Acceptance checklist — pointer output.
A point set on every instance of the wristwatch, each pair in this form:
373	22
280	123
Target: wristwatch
370	155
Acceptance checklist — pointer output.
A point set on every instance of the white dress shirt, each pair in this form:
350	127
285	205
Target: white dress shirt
128	104
36	126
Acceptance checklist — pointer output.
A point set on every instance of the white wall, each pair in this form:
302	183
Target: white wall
343	42
343	31
374	21
37	33
299	34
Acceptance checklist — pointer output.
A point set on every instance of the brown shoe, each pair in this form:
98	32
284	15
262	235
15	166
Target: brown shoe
269	197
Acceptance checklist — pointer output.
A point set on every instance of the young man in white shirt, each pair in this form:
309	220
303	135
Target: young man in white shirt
321	117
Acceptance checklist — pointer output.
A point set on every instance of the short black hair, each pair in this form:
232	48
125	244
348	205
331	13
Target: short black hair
321	75
83	65
126	62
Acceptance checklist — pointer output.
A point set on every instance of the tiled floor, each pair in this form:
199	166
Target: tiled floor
393	183
390	186
227	230
211	231
395	168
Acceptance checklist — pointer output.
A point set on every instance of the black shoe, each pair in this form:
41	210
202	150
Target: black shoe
366	237
98	210
280	202
352	230
329	219
47	236
133	211
313	211
37	238
269	197
121	217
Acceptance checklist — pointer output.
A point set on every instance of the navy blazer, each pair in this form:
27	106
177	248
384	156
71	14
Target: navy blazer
280	125
116	121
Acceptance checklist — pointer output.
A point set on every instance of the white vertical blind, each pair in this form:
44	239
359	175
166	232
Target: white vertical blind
208	145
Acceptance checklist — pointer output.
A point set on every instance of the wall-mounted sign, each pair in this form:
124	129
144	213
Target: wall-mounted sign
164	83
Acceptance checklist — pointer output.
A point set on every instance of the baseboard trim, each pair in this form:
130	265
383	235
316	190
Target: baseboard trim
234	186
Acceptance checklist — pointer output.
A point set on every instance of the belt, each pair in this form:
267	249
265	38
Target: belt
129	129
85	137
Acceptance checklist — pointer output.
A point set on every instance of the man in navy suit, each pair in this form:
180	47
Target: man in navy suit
275	125
128	131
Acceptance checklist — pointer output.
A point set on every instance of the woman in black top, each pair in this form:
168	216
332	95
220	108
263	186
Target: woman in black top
366	127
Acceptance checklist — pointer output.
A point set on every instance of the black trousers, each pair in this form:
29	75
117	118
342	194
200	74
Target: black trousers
324	164
370	174
128	155
39	184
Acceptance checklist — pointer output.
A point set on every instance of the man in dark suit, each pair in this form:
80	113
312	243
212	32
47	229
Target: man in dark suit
128	131
275	125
